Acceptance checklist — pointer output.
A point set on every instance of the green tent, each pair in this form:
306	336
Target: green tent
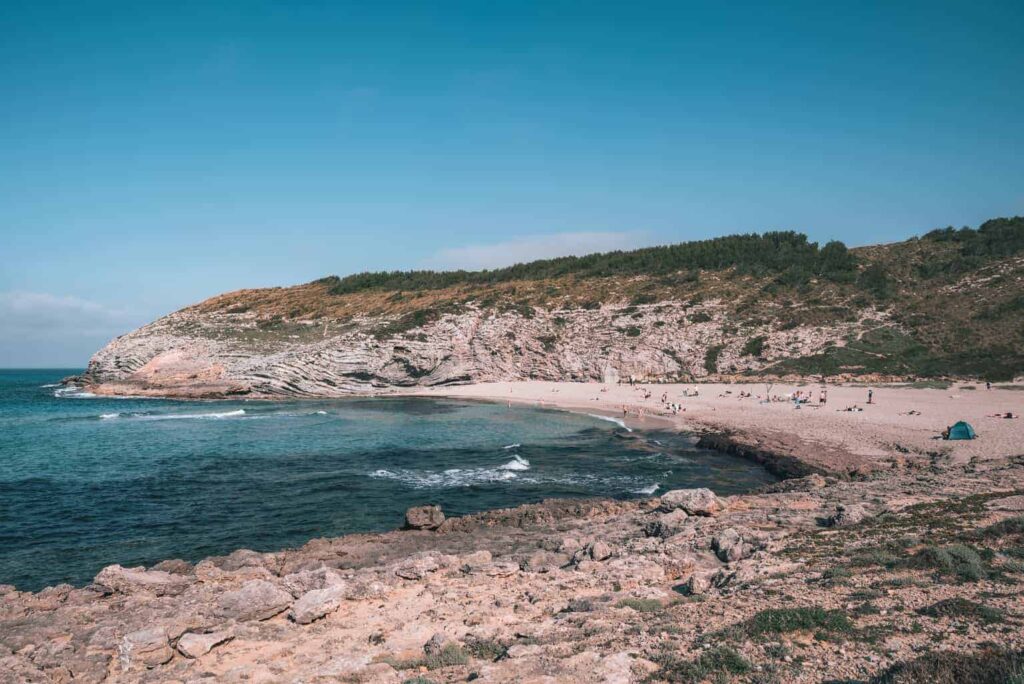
961	430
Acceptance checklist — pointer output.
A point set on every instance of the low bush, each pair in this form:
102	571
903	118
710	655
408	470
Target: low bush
712	665
988	666
957	560
779	620
641	605
962	608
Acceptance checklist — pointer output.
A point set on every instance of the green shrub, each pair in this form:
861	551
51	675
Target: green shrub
700	317
711	357
962	608
875	280
755	346
712	665
988	666
958	560
837	573
1004	528
486	649
451	654
641	605
781	620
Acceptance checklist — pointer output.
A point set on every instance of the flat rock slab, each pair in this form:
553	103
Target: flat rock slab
197	645
256	600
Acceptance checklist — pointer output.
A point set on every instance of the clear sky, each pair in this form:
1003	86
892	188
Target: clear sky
155	153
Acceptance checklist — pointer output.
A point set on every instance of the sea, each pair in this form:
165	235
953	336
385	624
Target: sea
89	481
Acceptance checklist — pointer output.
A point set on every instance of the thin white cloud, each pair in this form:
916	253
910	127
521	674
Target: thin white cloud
28	315
531	248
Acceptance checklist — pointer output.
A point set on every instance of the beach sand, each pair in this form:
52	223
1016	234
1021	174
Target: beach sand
825	436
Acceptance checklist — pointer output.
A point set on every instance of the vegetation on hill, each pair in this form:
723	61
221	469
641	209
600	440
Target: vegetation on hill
775	252
950	303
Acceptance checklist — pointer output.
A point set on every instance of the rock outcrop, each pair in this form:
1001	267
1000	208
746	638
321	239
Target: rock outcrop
567	591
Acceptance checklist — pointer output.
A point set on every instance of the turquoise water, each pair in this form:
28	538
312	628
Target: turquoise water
86	482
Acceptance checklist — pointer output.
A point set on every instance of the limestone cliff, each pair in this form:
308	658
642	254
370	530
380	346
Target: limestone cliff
918	308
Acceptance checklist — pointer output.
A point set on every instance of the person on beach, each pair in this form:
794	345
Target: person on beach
871	394
823	399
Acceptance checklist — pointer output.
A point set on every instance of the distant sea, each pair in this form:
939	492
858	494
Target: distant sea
88	481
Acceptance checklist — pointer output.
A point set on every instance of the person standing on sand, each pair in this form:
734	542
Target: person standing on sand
871	393
823	399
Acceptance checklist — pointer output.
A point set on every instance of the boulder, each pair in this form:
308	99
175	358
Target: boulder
697	585
501	569
256	600
317	603
655	528
424	518
700	501
543	561
148	647
298	583
417	568
729	546
194	645
436	644
131	580
600	551
847	515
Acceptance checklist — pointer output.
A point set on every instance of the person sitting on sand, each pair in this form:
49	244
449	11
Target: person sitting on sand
945	433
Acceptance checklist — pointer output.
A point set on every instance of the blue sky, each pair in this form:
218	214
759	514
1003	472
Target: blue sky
153	154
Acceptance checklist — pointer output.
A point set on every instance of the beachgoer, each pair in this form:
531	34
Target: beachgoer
823	399
988	385
871	394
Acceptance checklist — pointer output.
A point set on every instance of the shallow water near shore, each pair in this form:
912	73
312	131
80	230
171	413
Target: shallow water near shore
89	481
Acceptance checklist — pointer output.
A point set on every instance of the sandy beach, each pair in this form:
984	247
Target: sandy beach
901	423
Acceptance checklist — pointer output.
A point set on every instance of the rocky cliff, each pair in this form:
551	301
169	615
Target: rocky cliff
926	307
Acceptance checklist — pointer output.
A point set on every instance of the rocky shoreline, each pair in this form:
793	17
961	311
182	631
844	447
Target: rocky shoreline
826	576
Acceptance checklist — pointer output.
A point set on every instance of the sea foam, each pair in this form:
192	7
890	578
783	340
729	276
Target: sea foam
517	463
617	421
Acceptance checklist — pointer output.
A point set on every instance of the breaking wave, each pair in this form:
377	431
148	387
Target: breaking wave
517	463
617	421
72	392
449	479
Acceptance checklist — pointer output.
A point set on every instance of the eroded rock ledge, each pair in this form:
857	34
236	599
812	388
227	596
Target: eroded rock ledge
813	578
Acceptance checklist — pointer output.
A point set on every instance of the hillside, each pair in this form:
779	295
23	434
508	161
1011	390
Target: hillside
949	303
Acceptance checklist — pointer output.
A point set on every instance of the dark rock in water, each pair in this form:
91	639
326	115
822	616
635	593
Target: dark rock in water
424	518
